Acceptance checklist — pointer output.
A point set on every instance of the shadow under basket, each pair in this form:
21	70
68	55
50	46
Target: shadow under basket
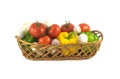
34	51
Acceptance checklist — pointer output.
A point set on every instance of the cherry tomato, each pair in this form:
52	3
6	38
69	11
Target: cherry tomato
44	40
54	31
84	27
37	29
68	27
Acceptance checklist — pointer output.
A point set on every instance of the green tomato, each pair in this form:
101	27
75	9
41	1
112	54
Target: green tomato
88	33
96	37
92	34
91	38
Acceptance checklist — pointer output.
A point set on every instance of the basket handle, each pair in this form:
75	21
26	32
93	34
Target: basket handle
101	35
17	37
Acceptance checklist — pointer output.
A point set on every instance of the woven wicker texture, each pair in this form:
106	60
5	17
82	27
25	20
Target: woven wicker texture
78	51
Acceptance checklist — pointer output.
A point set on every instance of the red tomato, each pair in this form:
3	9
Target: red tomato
54	31
84	27
44	40
37	29
68	27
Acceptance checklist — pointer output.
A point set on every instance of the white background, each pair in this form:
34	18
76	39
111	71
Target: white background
103	15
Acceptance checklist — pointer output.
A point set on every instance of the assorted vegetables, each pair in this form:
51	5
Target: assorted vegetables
55	35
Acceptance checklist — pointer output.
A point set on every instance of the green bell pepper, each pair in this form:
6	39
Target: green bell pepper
28	38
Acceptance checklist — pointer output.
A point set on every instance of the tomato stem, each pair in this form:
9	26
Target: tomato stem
67	23
38	24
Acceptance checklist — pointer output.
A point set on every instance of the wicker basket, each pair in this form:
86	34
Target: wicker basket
57	52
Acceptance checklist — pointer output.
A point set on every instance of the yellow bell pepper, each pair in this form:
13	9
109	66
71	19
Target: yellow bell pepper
68	38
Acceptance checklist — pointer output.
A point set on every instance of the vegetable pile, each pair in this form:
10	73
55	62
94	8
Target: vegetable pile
54	34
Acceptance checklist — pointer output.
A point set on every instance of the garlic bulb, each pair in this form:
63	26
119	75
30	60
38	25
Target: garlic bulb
33	49
36	51
47	23
24	28
21	33
83	38
53	51
55	42
77	29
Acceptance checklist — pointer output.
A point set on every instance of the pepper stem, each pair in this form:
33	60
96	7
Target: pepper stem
71	34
